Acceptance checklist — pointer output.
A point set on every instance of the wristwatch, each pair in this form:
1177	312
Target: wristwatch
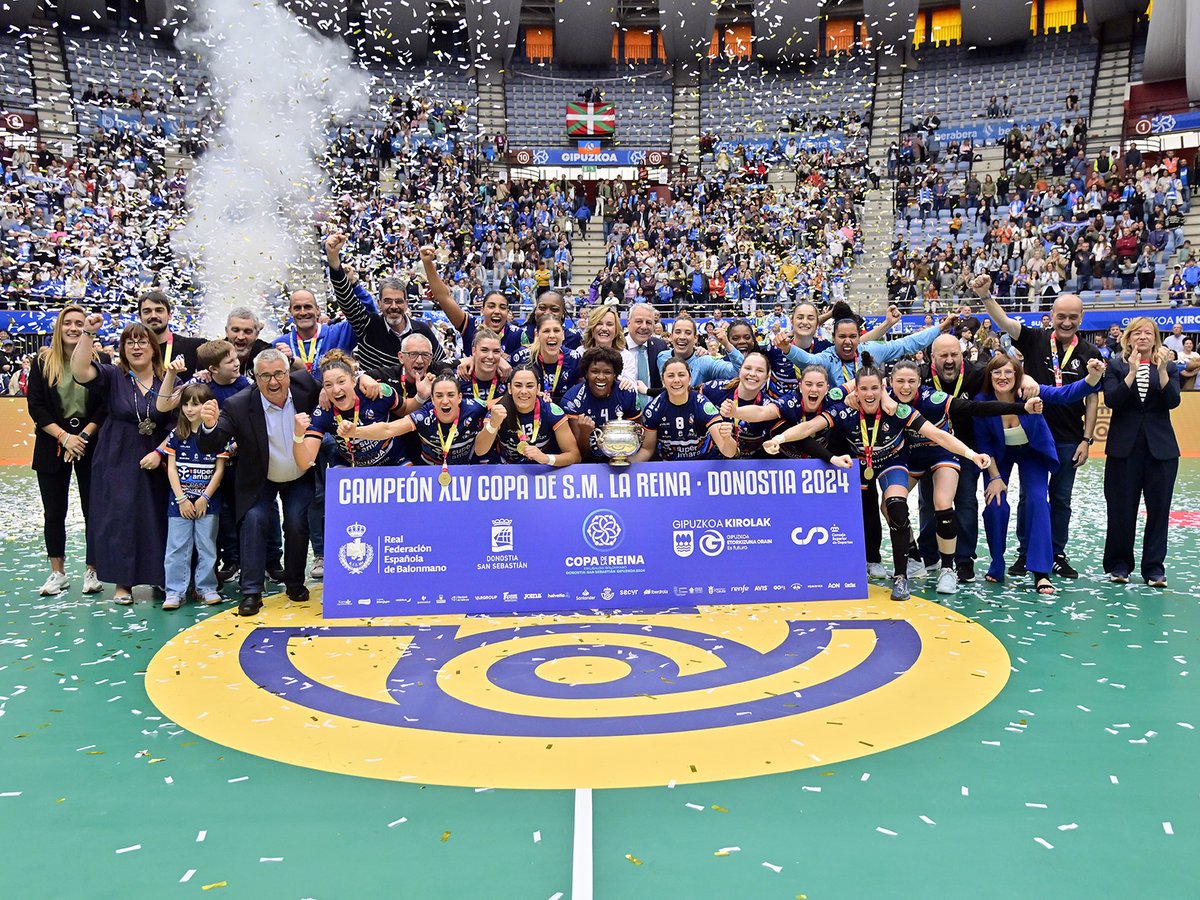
1089	441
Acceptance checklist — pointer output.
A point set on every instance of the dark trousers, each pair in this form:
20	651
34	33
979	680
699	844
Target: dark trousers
1126	482
316	512
55	488
966	511
228	538
1062	483
296	497
872	526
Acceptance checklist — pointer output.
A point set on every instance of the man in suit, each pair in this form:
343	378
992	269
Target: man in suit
154	311
641	352
262	421
1141	387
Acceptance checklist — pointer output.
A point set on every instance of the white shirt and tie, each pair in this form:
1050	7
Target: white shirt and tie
636	367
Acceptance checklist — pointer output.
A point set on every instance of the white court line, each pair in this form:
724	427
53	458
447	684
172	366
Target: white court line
581	861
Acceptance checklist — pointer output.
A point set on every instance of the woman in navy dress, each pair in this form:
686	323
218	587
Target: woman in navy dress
129	492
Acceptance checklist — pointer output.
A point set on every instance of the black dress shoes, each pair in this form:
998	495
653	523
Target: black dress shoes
250	605
275	573
297	593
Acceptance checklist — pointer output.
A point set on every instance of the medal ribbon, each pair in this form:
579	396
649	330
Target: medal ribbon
957	385
170	346
337	415
537	424
491	391
1066	357
557	372
448	441
308	355
869	445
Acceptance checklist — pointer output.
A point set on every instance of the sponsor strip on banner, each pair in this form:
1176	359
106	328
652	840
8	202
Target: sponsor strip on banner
533	538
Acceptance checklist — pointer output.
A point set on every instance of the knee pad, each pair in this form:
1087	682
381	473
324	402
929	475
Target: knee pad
896	509
945	524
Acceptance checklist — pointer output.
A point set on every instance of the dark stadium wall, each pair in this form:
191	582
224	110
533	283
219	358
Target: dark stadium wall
995	23
395	27
687	28
83	11
786	29
1105	12
583	34
1166	42
493	28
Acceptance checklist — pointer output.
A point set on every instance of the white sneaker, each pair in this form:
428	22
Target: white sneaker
916	569
318	567
55	584
947	582
173	601
91	584
876	570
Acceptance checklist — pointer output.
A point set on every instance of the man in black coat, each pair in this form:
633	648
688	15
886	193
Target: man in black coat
154	311
263	420
642	349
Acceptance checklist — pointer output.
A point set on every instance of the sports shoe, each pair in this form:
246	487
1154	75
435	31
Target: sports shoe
227	572
916	568
1063	567
876	570
1119	578
318	567
900	589
172	601
213	599
966	571
947	582
55	584
1018	566
91	583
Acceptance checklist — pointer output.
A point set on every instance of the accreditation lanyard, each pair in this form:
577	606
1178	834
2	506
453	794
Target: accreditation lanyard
553	383
957	385
533	434
308	355
337	415
869	445
1066	357
491	391
446	442
846	376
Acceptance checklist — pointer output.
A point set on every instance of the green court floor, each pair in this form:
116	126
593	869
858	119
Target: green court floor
1080	780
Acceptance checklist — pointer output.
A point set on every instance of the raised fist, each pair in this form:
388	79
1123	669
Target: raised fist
302	423
177	365
347	428
209	413
981	285
334	244
428	254
93	323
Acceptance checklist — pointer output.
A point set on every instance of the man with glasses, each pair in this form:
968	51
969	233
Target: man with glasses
262	421
380	334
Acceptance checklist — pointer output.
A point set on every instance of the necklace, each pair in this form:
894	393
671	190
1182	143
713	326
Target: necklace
869	445
145	423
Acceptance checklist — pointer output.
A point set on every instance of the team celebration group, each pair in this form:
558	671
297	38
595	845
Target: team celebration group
198	462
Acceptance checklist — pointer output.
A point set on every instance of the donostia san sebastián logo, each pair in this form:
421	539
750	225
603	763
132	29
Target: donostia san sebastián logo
532	701
355	555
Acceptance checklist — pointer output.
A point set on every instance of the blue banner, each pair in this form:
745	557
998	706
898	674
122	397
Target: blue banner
987	131
1163	123
532	538
553	156
1093	320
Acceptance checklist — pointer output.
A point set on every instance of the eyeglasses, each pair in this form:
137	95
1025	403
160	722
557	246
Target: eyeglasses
137	342
272	376
417	354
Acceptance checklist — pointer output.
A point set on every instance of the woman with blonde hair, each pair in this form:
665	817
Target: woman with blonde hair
67	418
1141	388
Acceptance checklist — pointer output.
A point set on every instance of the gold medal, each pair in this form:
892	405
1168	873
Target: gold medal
522	446
445	478
868	473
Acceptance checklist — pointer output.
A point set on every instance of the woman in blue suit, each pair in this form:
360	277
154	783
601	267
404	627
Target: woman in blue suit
1023	441
1142	455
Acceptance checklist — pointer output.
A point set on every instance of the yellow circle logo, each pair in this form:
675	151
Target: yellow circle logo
545	701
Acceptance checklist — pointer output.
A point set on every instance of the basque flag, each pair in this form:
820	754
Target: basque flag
591	119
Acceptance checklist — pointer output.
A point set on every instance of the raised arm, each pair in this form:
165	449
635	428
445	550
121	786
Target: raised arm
439	292
953	444
355	310
890	318
82	369
168	397
982	286
795	433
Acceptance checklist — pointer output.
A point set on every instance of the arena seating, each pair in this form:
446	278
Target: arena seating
14	73
956	82
537	98
745	101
